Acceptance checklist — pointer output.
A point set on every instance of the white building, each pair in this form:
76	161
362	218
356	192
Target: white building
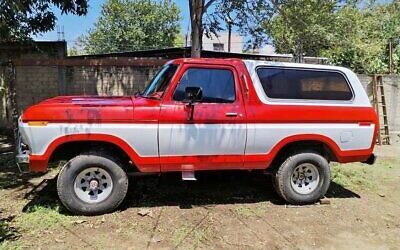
220	43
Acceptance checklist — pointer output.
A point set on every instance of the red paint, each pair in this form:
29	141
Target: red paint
94	109
81	109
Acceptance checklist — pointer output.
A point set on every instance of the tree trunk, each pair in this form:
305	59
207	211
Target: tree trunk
12	97
196	13
298	54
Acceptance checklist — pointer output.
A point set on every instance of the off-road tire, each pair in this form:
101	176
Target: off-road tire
282	178
70	171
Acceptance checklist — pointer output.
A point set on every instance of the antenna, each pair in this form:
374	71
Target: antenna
60	33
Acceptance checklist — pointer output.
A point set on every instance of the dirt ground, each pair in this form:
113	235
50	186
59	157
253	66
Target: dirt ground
222	210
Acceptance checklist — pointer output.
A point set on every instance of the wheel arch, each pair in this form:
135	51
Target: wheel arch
305	142
69	146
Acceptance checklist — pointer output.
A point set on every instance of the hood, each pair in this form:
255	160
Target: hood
90	109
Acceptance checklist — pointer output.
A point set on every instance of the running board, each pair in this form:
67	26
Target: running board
188	176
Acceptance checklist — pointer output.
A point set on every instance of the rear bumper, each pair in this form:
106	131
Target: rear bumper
371	160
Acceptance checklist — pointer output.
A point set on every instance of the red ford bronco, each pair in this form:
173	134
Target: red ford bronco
204	114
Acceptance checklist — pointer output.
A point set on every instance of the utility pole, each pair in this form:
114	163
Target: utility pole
229	22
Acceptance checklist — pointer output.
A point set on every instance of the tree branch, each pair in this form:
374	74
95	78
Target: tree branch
208	4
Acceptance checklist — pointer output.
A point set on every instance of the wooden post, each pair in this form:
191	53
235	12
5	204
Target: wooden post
375	104
390	57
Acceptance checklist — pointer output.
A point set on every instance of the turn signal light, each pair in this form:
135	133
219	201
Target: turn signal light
37	123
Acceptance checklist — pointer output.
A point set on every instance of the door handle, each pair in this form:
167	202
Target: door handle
231	114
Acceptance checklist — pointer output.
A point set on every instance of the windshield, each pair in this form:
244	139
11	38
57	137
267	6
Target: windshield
160	82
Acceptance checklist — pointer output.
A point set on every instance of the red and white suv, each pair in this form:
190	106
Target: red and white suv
204	114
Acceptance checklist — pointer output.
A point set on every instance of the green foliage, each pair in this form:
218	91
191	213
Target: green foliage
347	34
73	51
133	25
362	37
19	19
179	40
302	26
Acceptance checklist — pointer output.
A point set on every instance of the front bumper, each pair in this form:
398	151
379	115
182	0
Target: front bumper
23	162
22	158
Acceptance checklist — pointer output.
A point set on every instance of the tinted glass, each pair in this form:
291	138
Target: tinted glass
304	84
161	80
218	85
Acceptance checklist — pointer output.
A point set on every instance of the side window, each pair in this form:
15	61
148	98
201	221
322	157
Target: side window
304	84
218	85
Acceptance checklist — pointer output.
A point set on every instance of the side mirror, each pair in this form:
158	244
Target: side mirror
193	94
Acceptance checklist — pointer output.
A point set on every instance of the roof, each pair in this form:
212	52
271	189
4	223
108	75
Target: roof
184	52
256	63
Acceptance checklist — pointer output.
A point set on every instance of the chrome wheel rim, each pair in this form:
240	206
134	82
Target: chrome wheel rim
305	178
93	185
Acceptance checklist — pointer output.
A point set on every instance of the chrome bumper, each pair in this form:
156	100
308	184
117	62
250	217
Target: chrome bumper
22	157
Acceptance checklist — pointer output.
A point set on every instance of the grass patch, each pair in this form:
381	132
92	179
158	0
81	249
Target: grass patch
179	235
42	218
362	176
8	235
244	211
352	176
10	245
194	237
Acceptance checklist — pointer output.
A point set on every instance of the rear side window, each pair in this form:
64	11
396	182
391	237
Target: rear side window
218	85
304	84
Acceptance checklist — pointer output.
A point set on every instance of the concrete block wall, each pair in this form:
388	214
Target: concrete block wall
34	84
107	80
38	83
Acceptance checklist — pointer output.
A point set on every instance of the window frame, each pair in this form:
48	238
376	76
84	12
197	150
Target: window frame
171	81
305	101
206	67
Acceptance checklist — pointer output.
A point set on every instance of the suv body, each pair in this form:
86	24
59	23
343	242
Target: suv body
208	114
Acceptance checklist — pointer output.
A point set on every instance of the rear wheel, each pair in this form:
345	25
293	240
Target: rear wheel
303	178
92	183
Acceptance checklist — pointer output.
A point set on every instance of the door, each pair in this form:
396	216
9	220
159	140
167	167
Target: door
215	136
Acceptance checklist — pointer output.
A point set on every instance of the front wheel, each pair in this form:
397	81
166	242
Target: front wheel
92	183
303	178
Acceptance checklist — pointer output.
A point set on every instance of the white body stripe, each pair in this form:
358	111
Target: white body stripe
141	137
261	138
200	139
360	97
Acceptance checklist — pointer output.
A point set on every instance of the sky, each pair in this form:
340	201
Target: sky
74	26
